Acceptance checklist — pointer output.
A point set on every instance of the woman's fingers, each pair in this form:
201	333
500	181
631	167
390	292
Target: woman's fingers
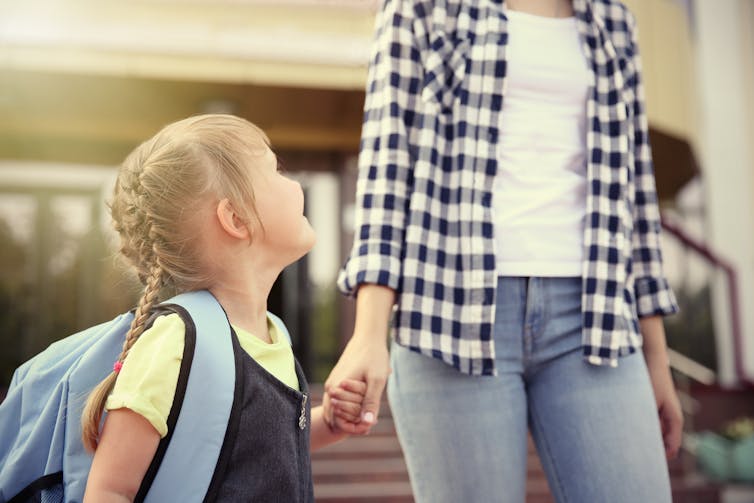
342	395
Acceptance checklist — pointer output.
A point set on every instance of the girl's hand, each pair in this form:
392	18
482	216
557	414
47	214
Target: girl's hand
342	412
346	399
339	415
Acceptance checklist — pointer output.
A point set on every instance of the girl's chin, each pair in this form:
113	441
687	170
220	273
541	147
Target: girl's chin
307	241
311	239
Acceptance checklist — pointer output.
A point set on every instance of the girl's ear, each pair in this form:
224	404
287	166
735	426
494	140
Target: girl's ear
230	221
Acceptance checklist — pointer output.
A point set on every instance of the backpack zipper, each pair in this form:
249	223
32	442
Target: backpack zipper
302	417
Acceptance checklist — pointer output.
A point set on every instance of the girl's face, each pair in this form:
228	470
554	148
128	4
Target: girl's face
280	207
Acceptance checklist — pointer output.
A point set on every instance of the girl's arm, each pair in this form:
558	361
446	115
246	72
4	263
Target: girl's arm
126	448
321	434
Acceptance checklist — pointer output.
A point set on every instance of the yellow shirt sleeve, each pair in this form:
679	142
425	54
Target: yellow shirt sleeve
146	383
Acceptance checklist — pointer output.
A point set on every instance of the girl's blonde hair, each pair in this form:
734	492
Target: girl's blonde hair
159	189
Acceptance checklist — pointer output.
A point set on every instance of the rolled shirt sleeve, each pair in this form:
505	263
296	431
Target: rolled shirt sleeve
384	180
147	381
651	289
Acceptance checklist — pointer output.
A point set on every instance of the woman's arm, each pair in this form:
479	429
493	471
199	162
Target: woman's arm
654	298
668	405
384	183
126	448
365	357
382	194
652	292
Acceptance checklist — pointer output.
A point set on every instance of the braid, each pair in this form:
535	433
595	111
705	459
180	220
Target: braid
132	222
95	404
143	309
132	219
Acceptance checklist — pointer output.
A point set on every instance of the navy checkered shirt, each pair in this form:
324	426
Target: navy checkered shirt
429	155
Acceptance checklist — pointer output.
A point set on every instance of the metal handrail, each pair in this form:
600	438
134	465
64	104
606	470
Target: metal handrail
716	260
691	368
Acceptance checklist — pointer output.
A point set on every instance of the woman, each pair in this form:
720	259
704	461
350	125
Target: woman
506	205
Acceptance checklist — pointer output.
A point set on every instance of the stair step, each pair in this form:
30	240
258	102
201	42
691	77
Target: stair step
363	492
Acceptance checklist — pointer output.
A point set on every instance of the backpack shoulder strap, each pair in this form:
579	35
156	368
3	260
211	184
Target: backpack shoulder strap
189	461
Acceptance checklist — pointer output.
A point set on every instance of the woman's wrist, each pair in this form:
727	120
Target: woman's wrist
656	358
374	306
654	345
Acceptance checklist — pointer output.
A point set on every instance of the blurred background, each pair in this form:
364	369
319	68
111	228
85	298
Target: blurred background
82	82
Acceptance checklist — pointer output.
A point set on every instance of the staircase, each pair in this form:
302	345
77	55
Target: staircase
371	468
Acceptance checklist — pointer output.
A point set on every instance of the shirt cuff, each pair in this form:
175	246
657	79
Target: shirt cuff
654	297
378	269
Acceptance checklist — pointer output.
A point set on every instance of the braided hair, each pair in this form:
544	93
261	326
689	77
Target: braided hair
160	187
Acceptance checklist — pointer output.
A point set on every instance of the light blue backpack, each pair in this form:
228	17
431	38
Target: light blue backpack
42	458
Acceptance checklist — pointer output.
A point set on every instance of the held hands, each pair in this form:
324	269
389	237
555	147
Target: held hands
368	364
343	406
365	358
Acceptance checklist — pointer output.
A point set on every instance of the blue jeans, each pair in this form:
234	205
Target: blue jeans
596	429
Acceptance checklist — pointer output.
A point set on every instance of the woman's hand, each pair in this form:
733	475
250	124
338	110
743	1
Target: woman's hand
668	405
365	357
363	361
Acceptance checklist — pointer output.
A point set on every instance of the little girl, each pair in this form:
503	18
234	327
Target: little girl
203	205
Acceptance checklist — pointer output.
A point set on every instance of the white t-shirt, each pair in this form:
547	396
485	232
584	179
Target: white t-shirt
540	189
